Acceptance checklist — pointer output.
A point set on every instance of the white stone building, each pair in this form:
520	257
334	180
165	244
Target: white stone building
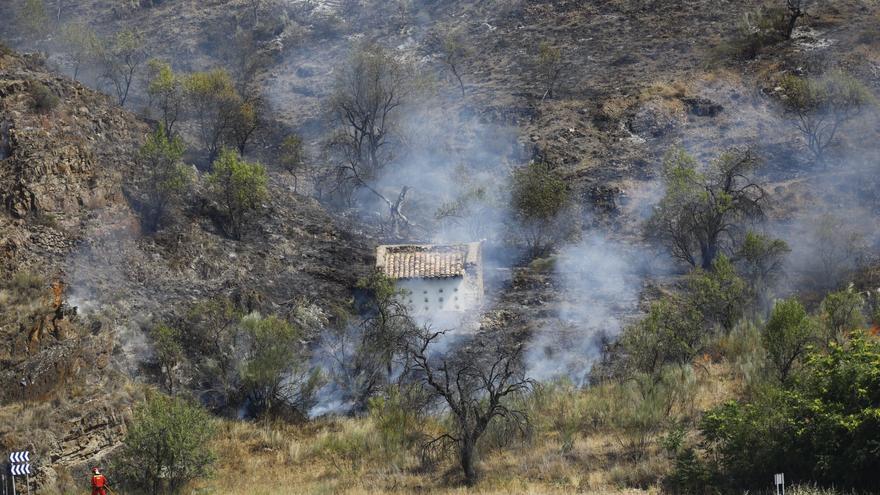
439	281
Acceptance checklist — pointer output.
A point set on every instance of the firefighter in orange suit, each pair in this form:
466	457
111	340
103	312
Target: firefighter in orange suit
99	482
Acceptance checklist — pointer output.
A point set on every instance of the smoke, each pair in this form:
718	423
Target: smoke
600	280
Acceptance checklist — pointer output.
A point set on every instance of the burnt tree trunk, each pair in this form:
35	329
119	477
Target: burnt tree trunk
466	453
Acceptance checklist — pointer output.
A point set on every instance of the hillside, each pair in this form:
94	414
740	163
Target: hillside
499	112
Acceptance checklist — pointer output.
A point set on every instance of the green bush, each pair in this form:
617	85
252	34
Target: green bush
238	188
719	294
166	446
544	212
823	428
842	312
671	333
788	333
167	178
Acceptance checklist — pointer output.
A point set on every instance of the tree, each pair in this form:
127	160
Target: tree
820	106
455	51
760	261
82	45
543	211
211	340
369	91
719	294
671	333
238	188
701	212
121	60
214	103
386	322
167	445
796	10
275	371
293	157
550	67
169	353
166	91
245	121
786	336
475	385
166	177
842	312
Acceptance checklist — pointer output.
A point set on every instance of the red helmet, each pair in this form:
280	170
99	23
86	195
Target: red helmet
96	470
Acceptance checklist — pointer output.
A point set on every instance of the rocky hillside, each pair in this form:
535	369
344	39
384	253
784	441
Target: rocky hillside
81	281
80	277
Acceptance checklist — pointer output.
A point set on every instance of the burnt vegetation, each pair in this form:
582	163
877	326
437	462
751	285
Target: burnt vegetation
676	202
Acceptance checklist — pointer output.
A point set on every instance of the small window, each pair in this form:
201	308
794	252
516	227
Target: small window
410	301
424	292
455	289
441	299
441	291
456	306
426	299
426	308
456	298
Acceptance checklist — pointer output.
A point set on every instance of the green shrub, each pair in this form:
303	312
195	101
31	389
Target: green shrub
788	333
544	212
645	406
719	294
166	446
842	312
671	333
238	187
823	428
45	100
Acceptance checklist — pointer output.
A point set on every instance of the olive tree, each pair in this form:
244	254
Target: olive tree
166	92
550	66
703	212
544	214
454	52
293	157
82	45
214	103
166	177
275	370
786	336
760	261
820	106
168	354
238	188
168	444
120	58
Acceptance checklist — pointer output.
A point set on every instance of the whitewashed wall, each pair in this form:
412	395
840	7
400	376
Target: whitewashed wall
425	297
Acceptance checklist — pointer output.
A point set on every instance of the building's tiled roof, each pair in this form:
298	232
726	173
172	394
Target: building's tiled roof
425	261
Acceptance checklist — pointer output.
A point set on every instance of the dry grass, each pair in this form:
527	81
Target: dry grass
570	451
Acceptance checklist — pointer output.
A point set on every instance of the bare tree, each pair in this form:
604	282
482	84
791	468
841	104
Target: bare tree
796	10
369	92
550	67
475	385
454	53
121	59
